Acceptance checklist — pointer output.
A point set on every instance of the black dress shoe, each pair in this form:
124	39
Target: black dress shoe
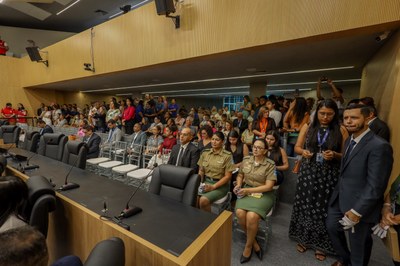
260	253
244	259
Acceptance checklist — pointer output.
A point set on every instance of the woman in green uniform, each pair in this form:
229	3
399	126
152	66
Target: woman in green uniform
215	170
256	197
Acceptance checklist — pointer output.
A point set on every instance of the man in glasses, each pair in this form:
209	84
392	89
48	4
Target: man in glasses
185	154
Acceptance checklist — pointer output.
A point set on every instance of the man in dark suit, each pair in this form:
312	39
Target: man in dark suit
138	137
43	127
185	154
379	127
92	141
240	123
358	197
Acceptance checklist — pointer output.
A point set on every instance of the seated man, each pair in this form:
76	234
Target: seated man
44	127
23	246
185	154
114	135
92	141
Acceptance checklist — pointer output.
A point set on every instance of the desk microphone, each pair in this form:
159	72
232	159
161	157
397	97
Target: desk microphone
67	185
29	167
130	211
5	151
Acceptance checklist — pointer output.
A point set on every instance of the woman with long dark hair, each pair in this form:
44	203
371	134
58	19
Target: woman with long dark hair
13	194
295	118
321	146
277	154
128	116
263	124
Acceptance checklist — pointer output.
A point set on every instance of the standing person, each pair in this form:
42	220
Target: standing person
139	112
21	113
246	107
113	113
8	112
128	117
173	108
277	154
185	154
336	94
295	118
3	47
273	113
320	144
254	188
215	171
263	124
357	199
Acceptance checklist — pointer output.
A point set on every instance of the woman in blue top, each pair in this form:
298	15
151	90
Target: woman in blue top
173	108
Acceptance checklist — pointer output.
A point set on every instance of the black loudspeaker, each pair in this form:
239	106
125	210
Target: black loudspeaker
34	54
165	7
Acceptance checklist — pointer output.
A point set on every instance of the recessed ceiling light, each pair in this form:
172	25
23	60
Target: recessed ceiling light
68	7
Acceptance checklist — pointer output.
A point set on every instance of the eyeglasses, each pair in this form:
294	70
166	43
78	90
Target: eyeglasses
258	148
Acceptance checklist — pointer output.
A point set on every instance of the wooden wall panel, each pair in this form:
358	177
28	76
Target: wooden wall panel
381	80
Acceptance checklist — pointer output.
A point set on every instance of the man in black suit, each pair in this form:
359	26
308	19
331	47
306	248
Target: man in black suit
378	126
358	197
240	123
92	141
185	154
44	128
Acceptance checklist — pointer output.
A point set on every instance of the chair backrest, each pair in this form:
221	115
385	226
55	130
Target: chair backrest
175	182
10	134
41	201
107	252
52	145
31	141
75	154
3	164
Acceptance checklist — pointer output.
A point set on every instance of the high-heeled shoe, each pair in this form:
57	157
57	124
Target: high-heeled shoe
244	259
260	252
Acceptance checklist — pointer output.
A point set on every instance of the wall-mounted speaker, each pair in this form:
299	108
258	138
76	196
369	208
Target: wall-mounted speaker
165	7
34	54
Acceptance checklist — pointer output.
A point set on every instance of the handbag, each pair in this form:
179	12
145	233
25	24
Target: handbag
391	242
297	164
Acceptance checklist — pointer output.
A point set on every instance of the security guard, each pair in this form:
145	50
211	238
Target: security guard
215	170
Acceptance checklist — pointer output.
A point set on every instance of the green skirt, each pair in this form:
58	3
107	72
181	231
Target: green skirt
216	194
262	206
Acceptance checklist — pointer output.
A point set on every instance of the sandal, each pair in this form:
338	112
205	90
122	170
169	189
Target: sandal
319	255
301	248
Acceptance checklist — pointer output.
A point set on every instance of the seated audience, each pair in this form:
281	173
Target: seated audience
169	140
23	246
205	137
154	141
215	170
277	154
114	135
240	124
248	135
44	128
13	195
263	124
254	189
92	141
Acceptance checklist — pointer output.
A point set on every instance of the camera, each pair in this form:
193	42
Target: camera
324	79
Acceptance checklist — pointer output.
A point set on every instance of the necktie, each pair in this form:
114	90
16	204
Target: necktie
110	135
178	159
349	149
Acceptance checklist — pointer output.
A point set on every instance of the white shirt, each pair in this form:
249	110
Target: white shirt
276	115
12	222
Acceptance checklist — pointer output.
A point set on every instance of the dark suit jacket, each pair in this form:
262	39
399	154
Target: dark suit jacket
46	129
190	156
243	126
140	139
380	128
364	177
93	146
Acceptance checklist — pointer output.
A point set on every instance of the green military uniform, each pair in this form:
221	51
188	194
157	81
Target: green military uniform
214	165
255	175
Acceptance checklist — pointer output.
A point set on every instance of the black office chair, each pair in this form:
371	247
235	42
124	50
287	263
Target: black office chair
10	134
75	154
31	141
41	201
107	252
3	164
175	182
52	145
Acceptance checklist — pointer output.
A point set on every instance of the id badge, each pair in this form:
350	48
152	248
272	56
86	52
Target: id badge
319	158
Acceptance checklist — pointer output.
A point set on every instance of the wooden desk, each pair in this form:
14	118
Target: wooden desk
75	229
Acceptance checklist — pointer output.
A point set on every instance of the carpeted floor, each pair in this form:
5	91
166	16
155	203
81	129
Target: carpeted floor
282	251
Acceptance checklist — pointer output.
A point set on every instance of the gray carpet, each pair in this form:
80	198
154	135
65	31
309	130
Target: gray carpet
282	251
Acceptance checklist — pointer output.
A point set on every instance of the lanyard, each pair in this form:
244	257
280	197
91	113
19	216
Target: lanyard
321	142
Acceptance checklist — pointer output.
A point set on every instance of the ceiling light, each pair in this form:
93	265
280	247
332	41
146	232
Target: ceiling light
71	5
310	82
209	94
209	89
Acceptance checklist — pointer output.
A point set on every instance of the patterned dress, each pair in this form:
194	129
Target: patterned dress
315	184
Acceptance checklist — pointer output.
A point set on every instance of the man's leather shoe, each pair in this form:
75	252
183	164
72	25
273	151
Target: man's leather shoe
338	263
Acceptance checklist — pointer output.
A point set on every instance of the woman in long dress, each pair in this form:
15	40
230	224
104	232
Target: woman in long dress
320	144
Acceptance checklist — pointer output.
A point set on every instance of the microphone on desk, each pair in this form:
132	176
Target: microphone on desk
5	151
29	167
130	211
69	185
